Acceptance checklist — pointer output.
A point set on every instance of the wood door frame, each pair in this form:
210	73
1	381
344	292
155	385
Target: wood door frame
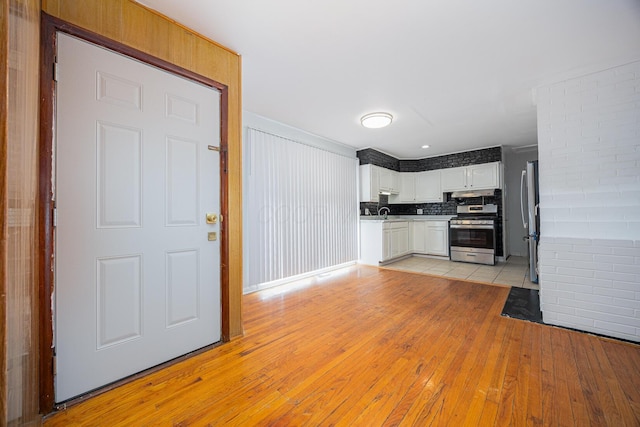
46	233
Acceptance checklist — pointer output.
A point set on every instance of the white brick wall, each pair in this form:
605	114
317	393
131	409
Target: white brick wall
589	159
592	285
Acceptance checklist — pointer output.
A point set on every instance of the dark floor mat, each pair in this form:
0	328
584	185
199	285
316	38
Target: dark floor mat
523	304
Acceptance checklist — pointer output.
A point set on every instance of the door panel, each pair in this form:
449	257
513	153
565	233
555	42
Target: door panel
137	280
119	175
182	286
119	313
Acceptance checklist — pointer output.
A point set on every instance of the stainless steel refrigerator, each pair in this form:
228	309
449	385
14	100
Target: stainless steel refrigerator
529	206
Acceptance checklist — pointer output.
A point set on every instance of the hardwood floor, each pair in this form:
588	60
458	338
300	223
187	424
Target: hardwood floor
368	346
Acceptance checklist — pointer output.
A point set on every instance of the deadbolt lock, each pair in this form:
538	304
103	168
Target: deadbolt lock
212	218
212	236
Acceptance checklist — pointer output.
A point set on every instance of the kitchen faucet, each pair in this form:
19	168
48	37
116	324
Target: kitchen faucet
386	213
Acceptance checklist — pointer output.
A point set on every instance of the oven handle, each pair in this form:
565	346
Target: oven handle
475	227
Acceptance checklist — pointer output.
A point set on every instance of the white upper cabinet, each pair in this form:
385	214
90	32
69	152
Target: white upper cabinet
475	177
428	186
485	176
419	187
369	183
375	180
454	179
428	189
407	188
389	180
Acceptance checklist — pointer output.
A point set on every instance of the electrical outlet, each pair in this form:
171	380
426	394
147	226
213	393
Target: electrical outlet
419	211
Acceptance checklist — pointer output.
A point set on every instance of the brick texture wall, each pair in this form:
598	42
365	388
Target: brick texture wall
589	158
374	157
592	284
466	158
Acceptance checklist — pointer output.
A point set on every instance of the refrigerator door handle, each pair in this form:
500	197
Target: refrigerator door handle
522	177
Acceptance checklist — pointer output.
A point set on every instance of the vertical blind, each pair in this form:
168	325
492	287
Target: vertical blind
19	381
300	211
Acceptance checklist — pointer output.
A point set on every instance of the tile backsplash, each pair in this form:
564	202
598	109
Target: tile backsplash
446	208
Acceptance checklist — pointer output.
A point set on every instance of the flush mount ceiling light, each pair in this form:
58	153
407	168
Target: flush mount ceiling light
376	120
425	146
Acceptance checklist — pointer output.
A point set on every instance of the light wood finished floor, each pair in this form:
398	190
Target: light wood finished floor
368	346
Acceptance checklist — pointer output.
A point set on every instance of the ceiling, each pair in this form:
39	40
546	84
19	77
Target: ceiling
455	74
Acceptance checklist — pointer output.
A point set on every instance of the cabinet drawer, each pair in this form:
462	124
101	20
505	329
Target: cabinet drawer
438	224
395	225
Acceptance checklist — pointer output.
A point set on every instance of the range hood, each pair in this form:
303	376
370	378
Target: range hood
472	193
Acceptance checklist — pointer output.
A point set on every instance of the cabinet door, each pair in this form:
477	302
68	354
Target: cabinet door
418	237
395	242
395	182
385	179
375	183
369	183
483	176
407	187
403	241
399	241
428	187
387	243
412	227
454	179
437	239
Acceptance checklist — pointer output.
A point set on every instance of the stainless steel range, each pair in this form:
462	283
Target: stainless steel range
472	234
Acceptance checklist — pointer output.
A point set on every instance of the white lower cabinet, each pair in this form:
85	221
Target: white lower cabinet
382	241
418	233
437	238
386	244
398	239
430	237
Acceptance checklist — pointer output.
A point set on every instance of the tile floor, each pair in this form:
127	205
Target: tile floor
513	272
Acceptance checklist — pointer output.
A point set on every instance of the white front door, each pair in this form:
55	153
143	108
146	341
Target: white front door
137	281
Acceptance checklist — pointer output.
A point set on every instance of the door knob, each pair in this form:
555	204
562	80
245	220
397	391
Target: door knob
212	218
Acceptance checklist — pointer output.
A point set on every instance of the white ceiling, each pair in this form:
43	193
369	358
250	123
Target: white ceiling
455	74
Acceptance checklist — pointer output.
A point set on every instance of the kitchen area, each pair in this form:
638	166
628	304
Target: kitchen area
445	216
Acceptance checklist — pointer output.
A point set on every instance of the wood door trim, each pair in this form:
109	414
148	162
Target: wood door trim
49	27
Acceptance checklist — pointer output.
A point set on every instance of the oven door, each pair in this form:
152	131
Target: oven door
472	236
